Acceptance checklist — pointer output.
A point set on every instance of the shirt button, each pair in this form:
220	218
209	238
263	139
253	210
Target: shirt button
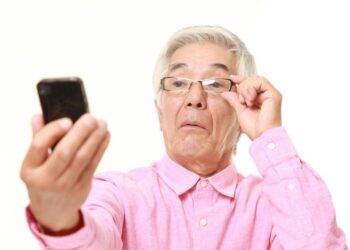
204	183
203	222
271	145
291	186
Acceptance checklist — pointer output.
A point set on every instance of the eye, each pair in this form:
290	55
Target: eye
179	84
216	85
176	83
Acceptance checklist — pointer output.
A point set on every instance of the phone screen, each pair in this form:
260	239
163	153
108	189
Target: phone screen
62	97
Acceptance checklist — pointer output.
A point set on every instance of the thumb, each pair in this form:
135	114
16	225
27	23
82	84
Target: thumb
232	99
37	123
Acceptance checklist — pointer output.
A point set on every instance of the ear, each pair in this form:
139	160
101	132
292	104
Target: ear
159	112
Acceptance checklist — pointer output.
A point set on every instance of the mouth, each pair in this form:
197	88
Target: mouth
193	124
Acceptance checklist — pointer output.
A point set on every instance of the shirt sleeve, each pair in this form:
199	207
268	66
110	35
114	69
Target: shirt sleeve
299	202
103	220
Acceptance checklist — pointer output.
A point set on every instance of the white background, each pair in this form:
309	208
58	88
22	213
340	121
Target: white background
302	47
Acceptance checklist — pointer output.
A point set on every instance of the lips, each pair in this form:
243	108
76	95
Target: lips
193	124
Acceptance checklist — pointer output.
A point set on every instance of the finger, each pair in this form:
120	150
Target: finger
85	154
251	94
233	100
69	145
265	90
44	139
37	123
240	89
244	94
241	99
237	78
250	90
86	176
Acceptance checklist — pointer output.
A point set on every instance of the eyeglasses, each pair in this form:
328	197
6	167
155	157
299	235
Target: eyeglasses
182	85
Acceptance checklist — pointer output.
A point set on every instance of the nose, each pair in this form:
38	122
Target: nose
196	97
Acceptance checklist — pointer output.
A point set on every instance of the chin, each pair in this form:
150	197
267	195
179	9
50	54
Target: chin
194	150
191	147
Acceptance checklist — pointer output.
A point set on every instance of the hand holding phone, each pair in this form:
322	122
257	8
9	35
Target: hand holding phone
59	182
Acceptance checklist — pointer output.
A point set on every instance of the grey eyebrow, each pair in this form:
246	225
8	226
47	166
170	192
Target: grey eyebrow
176	66
220	66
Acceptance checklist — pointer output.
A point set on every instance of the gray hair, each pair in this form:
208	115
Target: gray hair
245	63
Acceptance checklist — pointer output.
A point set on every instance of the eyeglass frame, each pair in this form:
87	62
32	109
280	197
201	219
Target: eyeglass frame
193	81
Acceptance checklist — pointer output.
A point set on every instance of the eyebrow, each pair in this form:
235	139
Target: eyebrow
220	66
176	66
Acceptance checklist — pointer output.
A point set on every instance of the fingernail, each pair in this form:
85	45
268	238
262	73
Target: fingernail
65	123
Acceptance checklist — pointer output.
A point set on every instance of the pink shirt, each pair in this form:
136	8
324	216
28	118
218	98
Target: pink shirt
165	206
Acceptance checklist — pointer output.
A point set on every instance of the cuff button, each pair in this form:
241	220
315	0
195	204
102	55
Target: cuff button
291	186
271	146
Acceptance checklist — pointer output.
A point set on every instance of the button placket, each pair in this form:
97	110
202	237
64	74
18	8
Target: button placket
203	202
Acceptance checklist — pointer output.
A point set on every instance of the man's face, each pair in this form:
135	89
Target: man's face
199	127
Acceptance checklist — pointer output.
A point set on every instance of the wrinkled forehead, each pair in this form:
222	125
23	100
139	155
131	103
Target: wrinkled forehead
183	68
205	57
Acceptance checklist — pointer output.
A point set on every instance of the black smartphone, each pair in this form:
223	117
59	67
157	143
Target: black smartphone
62	97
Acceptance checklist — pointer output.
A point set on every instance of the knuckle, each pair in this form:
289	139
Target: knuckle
81	157
62	154
36	181
278	94
88	122
24	174
62	186
107	137
101	133
37	144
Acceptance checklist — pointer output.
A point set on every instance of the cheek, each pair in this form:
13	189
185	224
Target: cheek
168	121
224	121
170	110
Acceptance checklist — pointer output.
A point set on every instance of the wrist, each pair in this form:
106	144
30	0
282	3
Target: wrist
73	225
266	129
57	225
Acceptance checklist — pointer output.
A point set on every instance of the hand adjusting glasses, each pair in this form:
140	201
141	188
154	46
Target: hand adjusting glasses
183	85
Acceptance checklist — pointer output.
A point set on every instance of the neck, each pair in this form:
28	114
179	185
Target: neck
203	166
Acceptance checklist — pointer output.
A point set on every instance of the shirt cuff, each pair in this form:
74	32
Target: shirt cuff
75	240
272	149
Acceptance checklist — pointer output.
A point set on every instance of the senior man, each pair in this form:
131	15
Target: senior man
207	94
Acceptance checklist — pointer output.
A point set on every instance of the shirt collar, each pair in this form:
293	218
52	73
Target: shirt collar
181	179
225	182
176	176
